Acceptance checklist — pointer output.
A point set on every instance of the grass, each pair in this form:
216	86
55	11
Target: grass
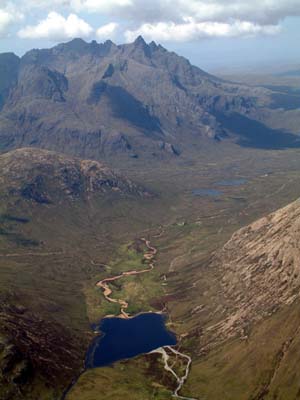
129	379
138	290
60	287
242	369
231	371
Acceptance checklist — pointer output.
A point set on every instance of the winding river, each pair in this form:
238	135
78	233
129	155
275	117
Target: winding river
165	351
149	256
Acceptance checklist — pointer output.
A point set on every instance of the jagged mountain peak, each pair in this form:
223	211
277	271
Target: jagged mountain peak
78	97
153	45
139	41
76	44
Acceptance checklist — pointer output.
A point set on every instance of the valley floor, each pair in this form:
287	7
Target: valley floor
85	244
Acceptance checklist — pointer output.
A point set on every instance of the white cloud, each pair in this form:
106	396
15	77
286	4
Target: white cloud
260	11
56	27
191	30
45	4
107	31
266	12
193	19
160	19
103	6
5	20
8	16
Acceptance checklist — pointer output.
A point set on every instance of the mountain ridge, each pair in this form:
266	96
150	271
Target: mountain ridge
90	99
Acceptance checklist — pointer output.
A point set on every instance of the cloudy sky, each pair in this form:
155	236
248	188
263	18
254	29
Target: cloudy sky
212	33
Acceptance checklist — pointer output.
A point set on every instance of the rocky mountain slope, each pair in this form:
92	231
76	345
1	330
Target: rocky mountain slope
90	99
260	270
247	337
9	68
45	177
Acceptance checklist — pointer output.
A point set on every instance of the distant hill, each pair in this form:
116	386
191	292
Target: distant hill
47	177
290	73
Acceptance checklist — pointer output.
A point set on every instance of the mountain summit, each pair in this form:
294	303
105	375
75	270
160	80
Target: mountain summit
90	99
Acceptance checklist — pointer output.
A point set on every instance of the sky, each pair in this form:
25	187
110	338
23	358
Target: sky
213	34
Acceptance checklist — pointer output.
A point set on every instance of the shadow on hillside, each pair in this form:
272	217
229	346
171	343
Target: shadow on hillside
254	134
125	106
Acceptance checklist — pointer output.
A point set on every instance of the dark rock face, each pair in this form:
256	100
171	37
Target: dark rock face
40	82
118	142
168	147
34	191
9	67
77	96
109	72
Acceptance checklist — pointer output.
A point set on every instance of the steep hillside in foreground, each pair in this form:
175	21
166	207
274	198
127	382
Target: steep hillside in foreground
90	100
249	339
260	268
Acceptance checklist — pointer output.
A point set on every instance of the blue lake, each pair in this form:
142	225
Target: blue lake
217	192
126	338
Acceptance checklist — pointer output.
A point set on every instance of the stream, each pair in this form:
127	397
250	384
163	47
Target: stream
166	350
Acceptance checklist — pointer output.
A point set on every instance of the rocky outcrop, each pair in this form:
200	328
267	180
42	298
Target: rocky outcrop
169	148
46	177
